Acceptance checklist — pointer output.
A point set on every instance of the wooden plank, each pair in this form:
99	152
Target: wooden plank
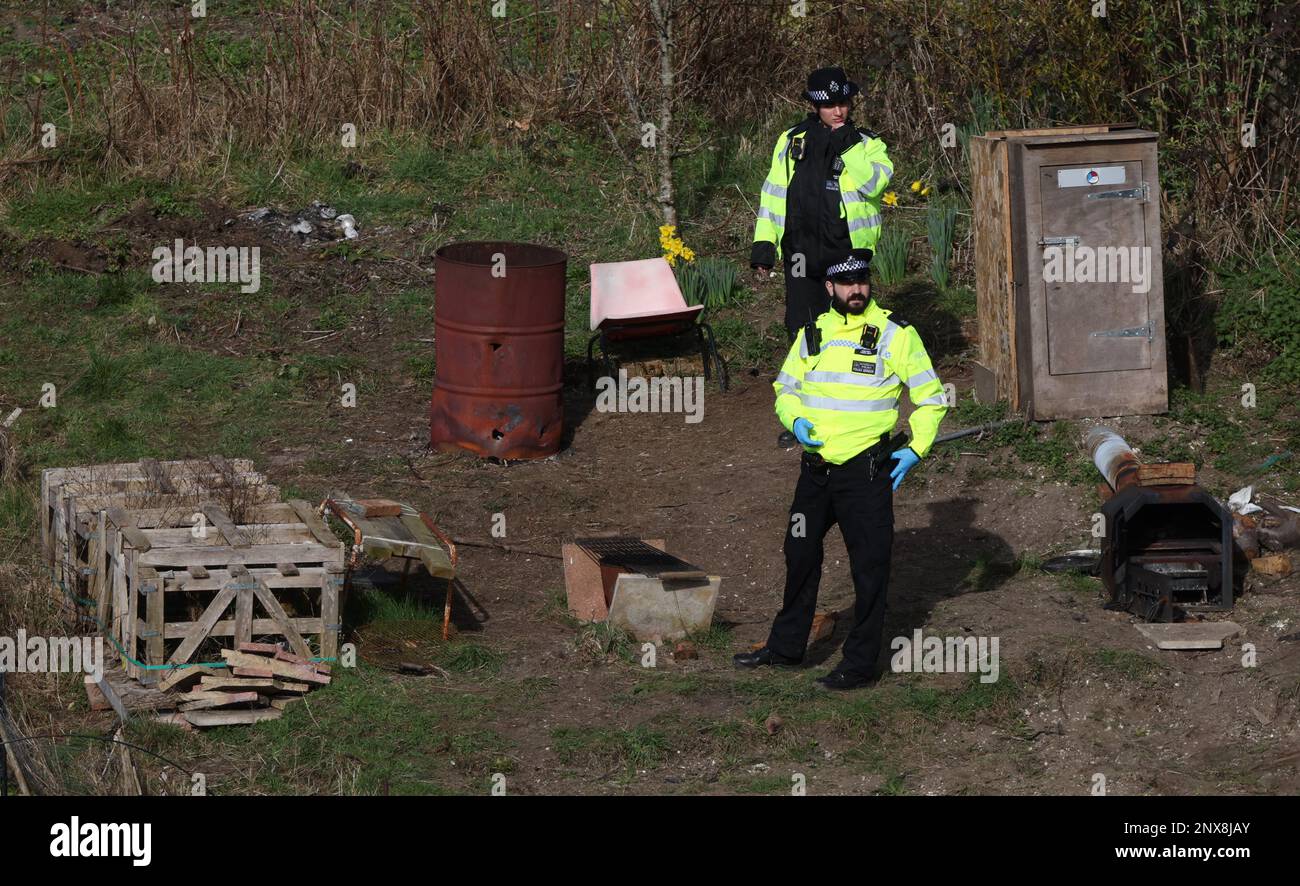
132	613
275	666
103	563
308	578
329	615
286	568
126	526
154	616
306	625
265	683
200	628
196	573
232	718
263	673
244	613
281	618
259	648
184	676
233	535
220	555
284	701
172	507
256	533
1166	474
180	516
155	474
313	522
213	699
302	659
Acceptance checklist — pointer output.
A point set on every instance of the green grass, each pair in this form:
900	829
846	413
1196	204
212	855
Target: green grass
400	737
641	747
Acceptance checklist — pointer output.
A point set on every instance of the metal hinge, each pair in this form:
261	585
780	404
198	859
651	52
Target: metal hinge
1131	332
1071	240
1140	193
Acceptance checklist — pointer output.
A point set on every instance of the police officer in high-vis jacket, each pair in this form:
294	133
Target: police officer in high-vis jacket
821	198
838	394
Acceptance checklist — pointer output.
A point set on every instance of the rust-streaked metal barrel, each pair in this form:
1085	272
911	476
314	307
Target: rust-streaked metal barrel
499	334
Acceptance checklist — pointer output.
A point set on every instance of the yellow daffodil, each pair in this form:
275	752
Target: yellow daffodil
925	192
916	185
891	199
673	246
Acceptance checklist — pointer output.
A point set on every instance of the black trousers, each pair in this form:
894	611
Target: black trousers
805	297
863	506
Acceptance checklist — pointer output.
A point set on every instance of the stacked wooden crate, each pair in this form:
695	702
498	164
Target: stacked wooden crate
180	560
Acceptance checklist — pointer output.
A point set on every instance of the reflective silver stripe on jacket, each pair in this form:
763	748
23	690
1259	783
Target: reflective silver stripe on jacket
848	405
778	220
862	194
936	400
921	378
871	221
851	378
770	187
789	384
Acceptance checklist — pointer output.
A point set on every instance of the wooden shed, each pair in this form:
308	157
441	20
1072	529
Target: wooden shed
1068	271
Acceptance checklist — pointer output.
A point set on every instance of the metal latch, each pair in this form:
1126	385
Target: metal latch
1130	332
1140	193
1071	240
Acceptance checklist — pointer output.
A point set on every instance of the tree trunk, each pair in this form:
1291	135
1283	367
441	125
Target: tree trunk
663	15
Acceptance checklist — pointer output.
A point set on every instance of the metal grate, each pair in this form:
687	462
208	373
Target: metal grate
634	555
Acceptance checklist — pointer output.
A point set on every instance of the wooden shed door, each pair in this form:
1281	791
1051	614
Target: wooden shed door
1096	322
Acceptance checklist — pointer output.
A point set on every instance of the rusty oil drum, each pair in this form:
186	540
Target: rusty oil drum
498	388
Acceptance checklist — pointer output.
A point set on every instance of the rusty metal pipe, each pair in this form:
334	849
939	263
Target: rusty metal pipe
1113	457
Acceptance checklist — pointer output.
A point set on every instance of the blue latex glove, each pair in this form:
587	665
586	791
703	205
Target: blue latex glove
907	460
803	432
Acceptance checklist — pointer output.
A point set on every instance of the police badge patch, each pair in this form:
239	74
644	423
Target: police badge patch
865	366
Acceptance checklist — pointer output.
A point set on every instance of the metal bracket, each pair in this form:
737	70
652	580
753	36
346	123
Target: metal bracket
1131	332
1140	193
1071	240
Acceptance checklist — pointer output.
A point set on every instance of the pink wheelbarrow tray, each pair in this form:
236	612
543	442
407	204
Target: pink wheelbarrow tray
633	300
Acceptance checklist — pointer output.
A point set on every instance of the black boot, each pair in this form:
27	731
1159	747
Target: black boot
762	657
841	680
787	440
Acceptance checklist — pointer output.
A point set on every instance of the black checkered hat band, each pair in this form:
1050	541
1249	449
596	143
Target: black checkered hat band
848	266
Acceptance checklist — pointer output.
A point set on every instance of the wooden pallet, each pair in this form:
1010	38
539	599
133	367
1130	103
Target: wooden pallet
171	555
277	576
85	509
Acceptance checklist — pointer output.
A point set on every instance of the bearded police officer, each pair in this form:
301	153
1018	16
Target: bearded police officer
821	198
838	394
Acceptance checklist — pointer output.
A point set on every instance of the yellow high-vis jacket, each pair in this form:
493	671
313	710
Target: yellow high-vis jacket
850	392
866	175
